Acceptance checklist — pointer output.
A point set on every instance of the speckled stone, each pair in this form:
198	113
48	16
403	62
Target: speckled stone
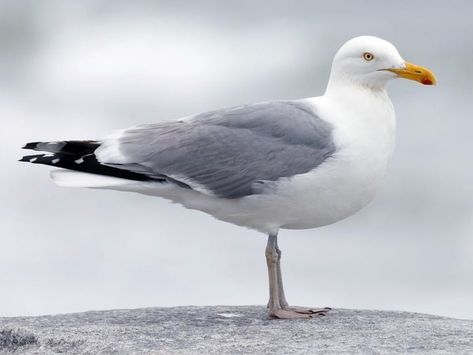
228	329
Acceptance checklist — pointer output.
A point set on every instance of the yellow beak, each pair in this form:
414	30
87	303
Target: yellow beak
417	73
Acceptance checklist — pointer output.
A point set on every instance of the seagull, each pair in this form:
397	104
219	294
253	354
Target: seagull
287	164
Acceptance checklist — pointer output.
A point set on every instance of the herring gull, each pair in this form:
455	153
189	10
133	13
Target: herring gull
291	164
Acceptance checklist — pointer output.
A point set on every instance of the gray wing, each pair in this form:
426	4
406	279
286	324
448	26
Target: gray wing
230	153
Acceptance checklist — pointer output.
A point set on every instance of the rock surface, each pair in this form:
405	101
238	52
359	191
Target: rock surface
226	329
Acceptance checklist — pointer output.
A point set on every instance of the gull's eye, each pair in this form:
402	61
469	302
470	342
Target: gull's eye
368	56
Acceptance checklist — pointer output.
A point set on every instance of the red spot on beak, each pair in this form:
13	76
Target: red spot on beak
426	81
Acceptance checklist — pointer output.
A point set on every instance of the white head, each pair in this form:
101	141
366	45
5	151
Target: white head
371	62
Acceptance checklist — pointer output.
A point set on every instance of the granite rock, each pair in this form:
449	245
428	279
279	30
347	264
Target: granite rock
229	329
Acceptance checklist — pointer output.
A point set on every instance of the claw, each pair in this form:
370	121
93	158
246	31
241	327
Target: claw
287	314
307	310
297	312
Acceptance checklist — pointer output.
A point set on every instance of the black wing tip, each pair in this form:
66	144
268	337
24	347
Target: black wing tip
31	158
79	156
76	148
30	145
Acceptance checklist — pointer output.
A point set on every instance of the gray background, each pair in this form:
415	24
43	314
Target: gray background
72	70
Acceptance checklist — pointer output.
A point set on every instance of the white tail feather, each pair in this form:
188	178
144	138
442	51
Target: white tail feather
68	178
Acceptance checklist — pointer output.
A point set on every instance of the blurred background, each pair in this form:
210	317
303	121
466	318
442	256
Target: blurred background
81	69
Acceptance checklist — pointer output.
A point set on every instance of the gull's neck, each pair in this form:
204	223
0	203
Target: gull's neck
339	86
349	104
363	118
349	93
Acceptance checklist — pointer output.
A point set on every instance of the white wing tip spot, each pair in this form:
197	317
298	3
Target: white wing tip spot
79	161
32	160
54	161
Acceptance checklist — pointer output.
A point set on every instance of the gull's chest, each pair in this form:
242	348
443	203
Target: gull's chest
364	137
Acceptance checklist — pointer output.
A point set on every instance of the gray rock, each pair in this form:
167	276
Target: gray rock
226	329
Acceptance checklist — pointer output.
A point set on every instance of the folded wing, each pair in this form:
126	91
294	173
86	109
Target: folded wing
229	153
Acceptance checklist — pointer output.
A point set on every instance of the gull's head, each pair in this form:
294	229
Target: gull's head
371	62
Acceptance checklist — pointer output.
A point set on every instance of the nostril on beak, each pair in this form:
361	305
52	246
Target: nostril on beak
418	72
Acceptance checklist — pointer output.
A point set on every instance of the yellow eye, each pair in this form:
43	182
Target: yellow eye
368	56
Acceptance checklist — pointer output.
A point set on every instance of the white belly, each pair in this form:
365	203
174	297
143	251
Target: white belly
330	193
339	189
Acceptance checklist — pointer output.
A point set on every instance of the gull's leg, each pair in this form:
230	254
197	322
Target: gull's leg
278	306
275	308
271	261
282	296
